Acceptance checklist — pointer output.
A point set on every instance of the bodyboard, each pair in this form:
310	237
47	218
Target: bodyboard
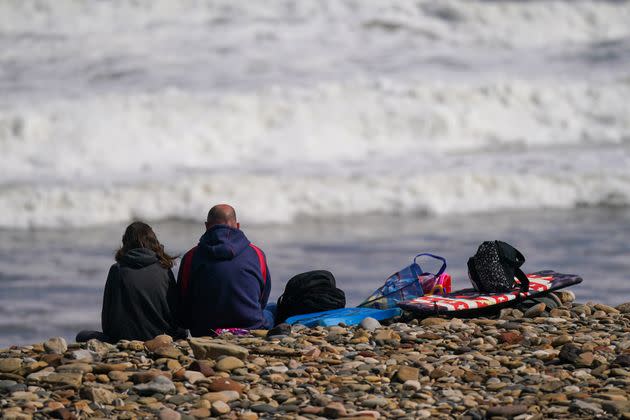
469	302
349	316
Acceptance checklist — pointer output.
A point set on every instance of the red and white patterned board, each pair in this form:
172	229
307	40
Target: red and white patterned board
471	300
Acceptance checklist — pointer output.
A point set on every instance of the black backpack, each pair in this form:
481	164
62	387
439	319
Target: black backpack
493	268
313	291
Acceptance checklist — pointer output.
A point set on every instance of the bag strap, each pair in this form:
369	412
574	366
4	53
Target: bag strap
515	262
437	257
523	279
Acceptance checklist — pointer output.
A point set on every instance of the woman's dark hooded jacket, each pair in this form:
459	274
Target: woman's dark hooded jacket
140	298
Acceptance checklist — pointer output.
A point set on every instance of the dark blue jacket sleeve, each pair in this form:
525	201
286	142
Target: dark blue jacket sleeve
183	312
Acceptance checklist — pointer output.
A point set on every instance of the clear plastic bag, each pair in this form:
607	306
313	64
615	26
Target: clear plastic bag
409	283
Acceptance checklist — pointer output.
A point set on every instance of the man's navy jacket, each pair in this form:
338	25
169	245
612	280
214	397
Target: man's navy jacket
223	283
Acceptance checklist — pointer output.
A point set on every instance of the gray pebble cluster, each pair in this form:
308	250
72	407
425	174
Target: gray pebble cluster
570	362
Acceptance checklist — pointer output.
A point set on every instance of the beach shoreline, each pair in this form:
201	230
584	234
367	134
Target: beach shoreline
570	362
56	290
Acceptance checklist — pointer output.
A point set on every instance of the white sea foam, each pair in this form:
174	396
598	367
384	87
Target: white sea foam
504	23
107	138
554	182
154	109
351	149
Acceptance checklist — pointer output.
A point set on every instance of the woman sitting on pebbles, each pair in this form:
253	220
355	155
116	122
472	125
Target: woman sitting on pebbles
140	292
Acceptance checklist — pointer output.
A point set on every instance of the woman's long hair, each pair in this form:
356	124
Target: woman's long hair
140	235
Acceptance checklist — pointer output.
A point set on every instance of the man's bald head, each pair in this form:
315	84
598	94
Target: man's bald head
222	214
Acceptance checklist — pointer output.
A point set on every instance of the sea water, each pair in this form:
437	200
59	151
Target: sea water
52	280
346	127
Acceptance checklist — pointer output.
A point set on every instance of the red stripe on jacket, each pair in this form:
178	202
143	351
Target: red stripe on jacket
187	264
261	261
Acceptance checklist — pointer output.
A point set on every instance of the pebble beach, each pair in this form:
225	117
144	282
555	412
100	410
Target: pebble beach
568	362
350	136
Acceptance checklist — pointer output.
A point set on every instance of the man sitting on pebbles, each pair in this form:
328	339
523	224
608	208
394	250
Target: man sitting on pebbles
224	281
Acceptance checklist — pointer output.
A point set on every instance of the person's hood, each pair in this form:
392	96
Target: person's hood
138	258
223	242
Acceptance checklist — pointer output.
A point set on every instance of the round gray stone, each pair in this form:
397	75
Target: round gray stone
370	324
